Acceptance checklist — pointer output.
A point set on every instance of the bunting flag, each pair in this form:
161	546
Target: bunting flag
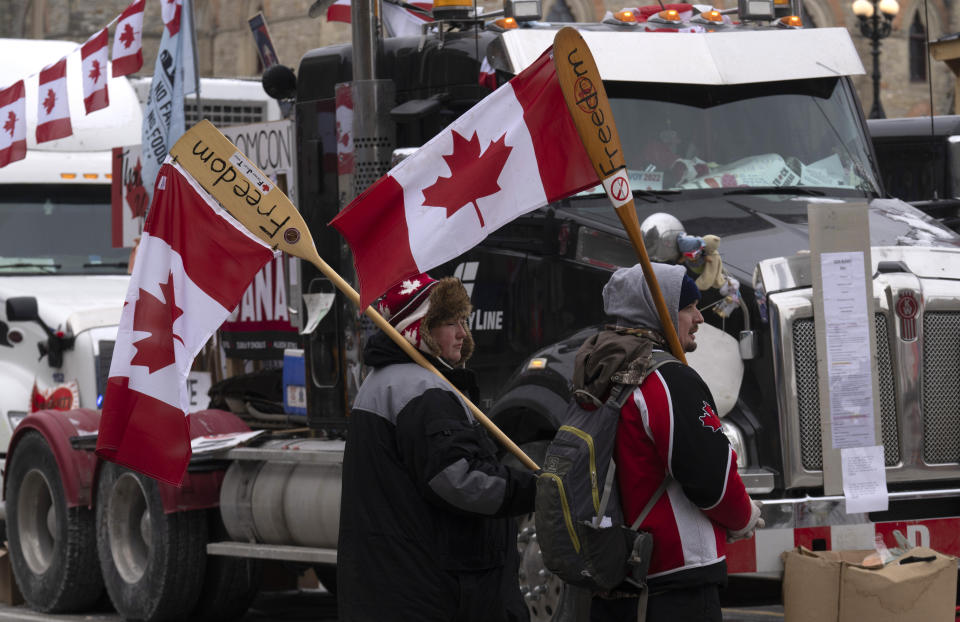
194	262
13	133
127	53
93	60
515	151
53	111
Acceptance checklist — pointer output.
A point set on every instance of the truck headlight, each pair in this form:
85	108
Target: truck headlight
733	434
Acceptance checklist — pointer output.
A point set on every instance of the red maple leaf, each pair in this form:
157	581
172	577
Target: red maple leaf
126	37
150	315
472	175
95	71
709	418
50	100
137	197
11	123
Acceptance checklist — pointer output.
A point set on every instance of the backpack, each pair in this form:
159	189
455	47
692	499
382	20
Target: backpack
578	518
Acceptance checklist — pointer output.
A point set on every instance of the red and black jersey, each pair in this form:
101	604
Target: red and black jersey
671	426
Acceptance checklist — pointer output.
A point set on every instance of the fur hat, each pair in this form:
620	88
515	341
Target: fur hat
416	305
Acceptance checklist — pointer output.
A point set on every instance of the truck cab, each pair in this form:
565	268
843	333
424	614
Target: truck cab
729	129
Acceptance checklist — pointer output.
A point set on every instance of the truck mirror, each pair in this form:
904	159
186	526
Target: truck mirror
22	309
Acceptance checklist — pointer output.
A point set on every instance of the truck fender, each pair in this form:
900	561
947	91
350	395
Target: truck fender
77	466
200	488
529	412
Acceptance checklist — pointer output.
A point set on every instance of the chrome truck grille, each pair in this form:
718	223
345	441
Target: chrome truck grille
916	302
808	394
941	388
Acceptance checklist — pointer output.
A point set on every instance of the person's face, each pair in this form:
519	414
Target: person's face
689	320
449	338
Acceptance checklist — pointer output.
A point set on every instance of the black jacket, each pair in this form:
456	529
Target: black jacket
424	501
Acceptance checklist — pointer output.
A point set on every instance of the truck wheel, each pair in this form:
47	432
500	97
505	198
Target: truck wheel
230	584
52	547
152	562
542	591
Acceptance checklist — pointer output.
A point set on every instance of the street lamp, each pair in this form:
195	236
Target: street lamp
872	27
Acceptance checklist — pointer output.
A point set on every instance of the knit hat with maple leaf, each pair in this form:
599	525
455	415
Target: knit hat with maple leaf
416	305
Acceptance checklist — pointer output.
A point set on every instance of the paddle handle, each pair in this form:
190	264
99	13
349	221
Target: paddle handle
587	101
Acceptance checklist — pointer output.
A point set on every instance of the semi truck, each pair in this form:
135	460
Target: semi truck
758	117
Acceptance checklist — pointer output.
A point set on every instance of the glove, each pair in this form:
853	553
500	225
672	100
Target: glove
755	522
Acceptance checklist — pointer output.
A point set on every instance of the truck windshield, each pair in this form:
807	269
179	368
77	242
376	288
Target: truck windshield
752	136
58	229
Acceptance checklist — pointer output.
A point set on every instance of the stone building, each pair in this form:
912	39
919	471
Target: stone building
225	45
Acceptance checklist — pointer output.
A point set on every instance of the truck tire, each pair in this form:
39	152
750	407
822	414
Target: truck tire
53	549
542	591
230	584
152	562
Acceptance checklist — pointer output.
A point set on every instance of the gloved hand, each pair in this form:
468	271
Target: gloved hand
755	522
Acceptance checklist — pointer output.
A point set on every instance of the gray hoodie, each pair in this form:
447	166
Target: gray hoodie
627	297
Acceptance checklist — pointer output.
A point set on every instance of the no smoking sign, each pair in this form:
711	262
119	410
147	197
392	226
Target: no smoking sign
618	188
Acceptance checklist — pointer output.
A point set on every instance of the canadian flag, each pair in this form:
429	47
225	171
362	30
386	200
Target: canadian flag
53	111
487	77
127	53
399	21
13	133
93	61
193	264
170	13
513	152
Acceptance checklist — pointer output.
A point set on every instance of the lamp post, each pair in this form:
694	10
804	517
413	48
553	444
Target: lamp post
875	28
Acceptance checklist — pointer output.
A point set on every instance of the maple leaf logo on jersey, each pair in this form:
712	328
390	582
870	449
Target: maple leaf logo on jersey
126	37
50	101
11	123
95	71
709	418
150	315
473	175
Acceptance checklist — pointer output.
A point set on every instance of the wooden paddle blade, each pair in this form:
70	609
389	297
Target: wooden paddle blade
589	107
245	191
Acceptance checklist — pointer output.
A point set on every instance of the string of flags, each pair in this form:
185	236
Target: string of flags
53	111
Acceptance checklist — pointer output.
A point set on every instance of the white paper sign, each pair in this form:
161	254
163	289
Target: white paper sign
848	350
318	305
864	479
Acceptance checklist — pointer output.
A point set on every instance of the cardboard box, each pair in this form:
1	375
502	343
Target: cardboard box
828	586
9	592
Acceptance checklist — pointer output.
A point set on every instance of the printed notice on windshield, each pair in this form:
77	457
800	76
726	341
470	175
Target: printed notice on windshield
864	479
848	350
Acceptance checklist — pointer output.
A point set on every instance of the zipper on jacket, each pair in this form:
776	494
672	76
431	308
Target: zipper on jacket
566	510
586	438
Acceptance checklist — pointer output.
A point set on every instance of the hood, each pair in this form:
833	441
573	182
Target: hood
76	303
757	227
627	298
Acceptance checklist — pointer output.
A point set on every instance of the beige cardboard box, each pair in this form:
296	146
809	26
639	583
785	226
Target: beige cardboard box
828	586
9	592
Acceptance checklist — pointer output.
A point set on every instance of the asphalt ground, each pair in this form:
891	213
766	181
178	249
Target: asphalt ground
320	606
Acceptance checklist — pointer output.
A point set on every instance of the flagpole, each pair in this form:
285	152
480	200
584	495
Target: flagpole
211	159
587	101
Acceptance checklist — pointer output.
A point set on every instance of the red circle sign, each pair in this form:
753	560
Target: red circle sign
907	306
620	189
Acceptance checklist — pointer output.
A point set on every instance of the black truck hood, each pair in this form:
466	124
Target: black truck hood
756	227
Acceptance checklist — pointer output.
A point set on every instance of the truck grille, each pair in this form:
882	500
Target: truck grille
941	387
808	393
